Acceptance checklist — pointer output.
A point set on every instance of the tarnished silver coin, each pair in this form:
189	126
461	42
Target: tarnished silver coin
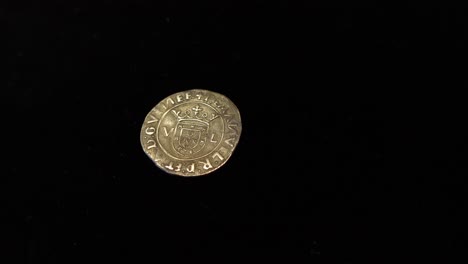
191	133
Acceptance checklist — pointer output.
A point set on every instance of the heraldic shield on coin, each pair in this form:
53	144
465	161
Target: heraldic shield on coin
191	133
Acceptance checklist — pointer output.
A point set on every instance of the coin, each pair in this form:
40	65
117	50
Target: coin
191	133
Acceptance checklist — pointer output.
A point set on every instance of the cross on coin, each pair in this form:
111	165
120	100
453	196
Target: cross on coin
197	109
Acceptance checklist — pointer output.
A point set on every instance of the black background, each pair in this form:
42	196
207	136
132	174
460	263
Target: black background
353	148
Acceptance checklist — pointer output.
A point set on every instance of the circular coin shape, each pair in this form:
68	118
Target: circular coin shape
191	133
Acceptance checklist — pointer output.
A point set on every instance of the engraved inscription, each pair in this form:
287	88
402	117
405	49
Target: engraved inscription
150	130
191	133
169	166
191	168
150	144
229	141
223	150
218	156
179	98
233	126
169	102
152	119
206	164
166	133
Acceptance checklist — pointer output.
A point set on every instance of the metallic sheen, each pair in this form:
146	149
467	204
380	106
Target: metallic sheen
191	133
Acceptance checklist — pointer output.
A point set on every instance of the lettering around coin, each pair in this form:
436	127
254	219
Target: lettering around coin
191	133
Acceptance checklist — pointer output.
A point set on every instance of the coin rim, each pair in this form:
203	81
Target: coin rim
221	163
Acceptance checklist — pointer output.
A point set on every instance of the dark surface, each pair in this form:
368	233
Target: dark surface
353	148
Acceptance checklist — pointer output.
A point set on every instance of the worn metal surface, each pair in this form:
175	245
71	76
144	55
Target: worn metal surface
191	133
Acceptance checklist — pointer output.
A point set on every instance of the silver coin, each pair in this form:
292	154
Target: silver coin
191	133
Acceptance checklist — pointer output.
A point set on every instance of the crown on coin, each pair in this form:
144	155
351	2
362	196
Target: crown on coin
196	114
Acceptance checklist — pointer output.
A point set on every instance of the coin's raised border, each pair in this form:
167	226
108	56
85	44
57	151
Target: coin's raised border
232	136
